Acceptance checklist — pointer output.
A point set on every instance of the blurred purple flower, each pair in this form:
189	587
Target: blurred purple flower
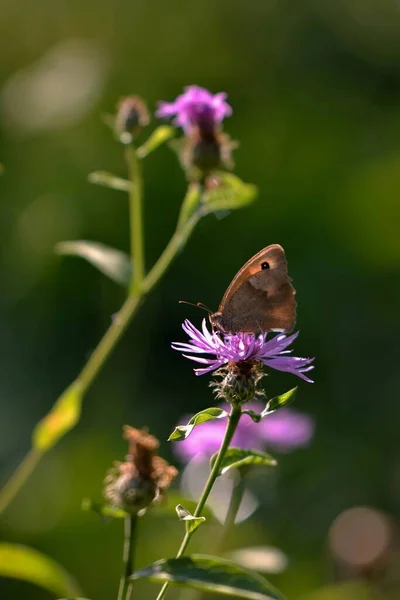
196	106
239	347
284	430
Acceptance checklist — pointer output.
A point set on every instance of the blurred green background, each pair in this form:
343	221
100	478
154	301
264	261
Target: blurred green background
315	88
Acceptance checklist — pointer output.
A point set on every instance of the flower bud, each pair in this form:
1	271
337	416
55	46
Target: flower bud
239	382
132	115
206	150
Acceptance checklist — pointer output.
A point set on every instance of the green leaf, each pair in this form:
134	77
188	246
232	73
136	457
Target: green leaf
27	564
239	457
191	522
190	203
210	574
162	134
256	417
231	193
183	431
113	263
62	418
104	510
109	180
278	402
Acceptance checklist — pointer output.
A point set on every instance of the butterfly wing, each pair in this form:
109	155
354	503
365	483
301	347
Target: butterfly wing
260	297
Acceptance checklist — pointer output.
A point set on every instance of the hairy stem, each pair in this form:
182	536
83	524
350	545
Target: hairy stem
128	556
233	421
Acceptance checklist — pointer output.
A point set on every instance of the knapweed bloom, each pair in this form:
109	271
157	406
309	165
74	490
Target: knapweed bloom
241	348
143	478
196	107
283	431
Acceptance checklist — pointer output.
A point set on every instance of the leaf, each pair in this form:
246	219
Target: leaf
62	418
256	417
239	457
278	402
162	134
109	180
191	522
104	510
210	574
231	193
113	263
183	431
27	564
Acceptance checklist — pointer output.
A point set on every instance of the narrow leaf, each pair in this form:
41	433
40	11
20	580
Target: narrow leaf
182	431
162	134
113	263
62	418
109	180
191	522
210	574
256	417
239	457
229	193
279	401
27	564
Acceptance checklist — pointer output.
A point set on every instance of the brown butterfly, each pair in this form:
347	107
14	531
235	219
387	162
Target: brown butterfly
260	297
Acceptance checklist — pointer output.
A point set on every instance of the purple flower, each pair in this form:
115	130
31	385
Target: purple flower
196	106
225	348
284	430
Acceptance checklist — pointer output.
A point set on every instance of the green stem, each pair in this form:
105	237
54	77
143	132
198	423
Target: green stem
128	556
20	475
233	509
136	219
106	345
233	421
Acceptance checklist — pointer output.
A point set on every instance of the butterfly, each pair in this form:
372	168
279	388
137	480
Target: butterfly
260	297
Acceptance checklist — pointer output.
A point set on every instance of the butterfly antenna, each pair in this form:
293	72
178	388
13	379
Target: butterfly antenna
198	305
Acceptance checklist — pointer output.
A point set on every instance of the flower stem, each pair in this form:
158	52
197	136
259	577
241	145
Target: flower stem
18	478
107	344
233	509
136	218
128	555
233	421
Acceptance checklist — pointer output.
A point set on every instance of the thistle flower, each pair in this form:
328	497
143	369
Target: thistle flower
134	484
284	431
196	107
241	349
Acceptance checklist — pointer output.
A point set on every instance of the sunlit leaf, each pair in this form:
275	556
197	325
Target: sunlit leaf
113	263
162	134
62	418
191	522
109	180
210	574
279	401
228	193
182	431
27	564
104	510
239	457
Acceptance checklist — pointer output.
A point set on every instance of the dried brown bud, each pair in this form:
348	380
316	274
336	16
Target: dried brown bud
142	478
132	116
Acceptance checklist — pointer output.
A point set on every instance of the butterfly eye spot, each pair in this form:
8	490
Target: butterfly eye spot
264	265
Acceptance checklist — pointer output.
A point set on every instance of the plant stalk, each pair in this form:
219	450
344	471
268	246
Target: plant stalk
233	421
128	555
136	219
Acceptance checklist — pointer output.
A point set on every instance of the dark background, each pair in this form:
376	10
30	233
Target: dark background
315	92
